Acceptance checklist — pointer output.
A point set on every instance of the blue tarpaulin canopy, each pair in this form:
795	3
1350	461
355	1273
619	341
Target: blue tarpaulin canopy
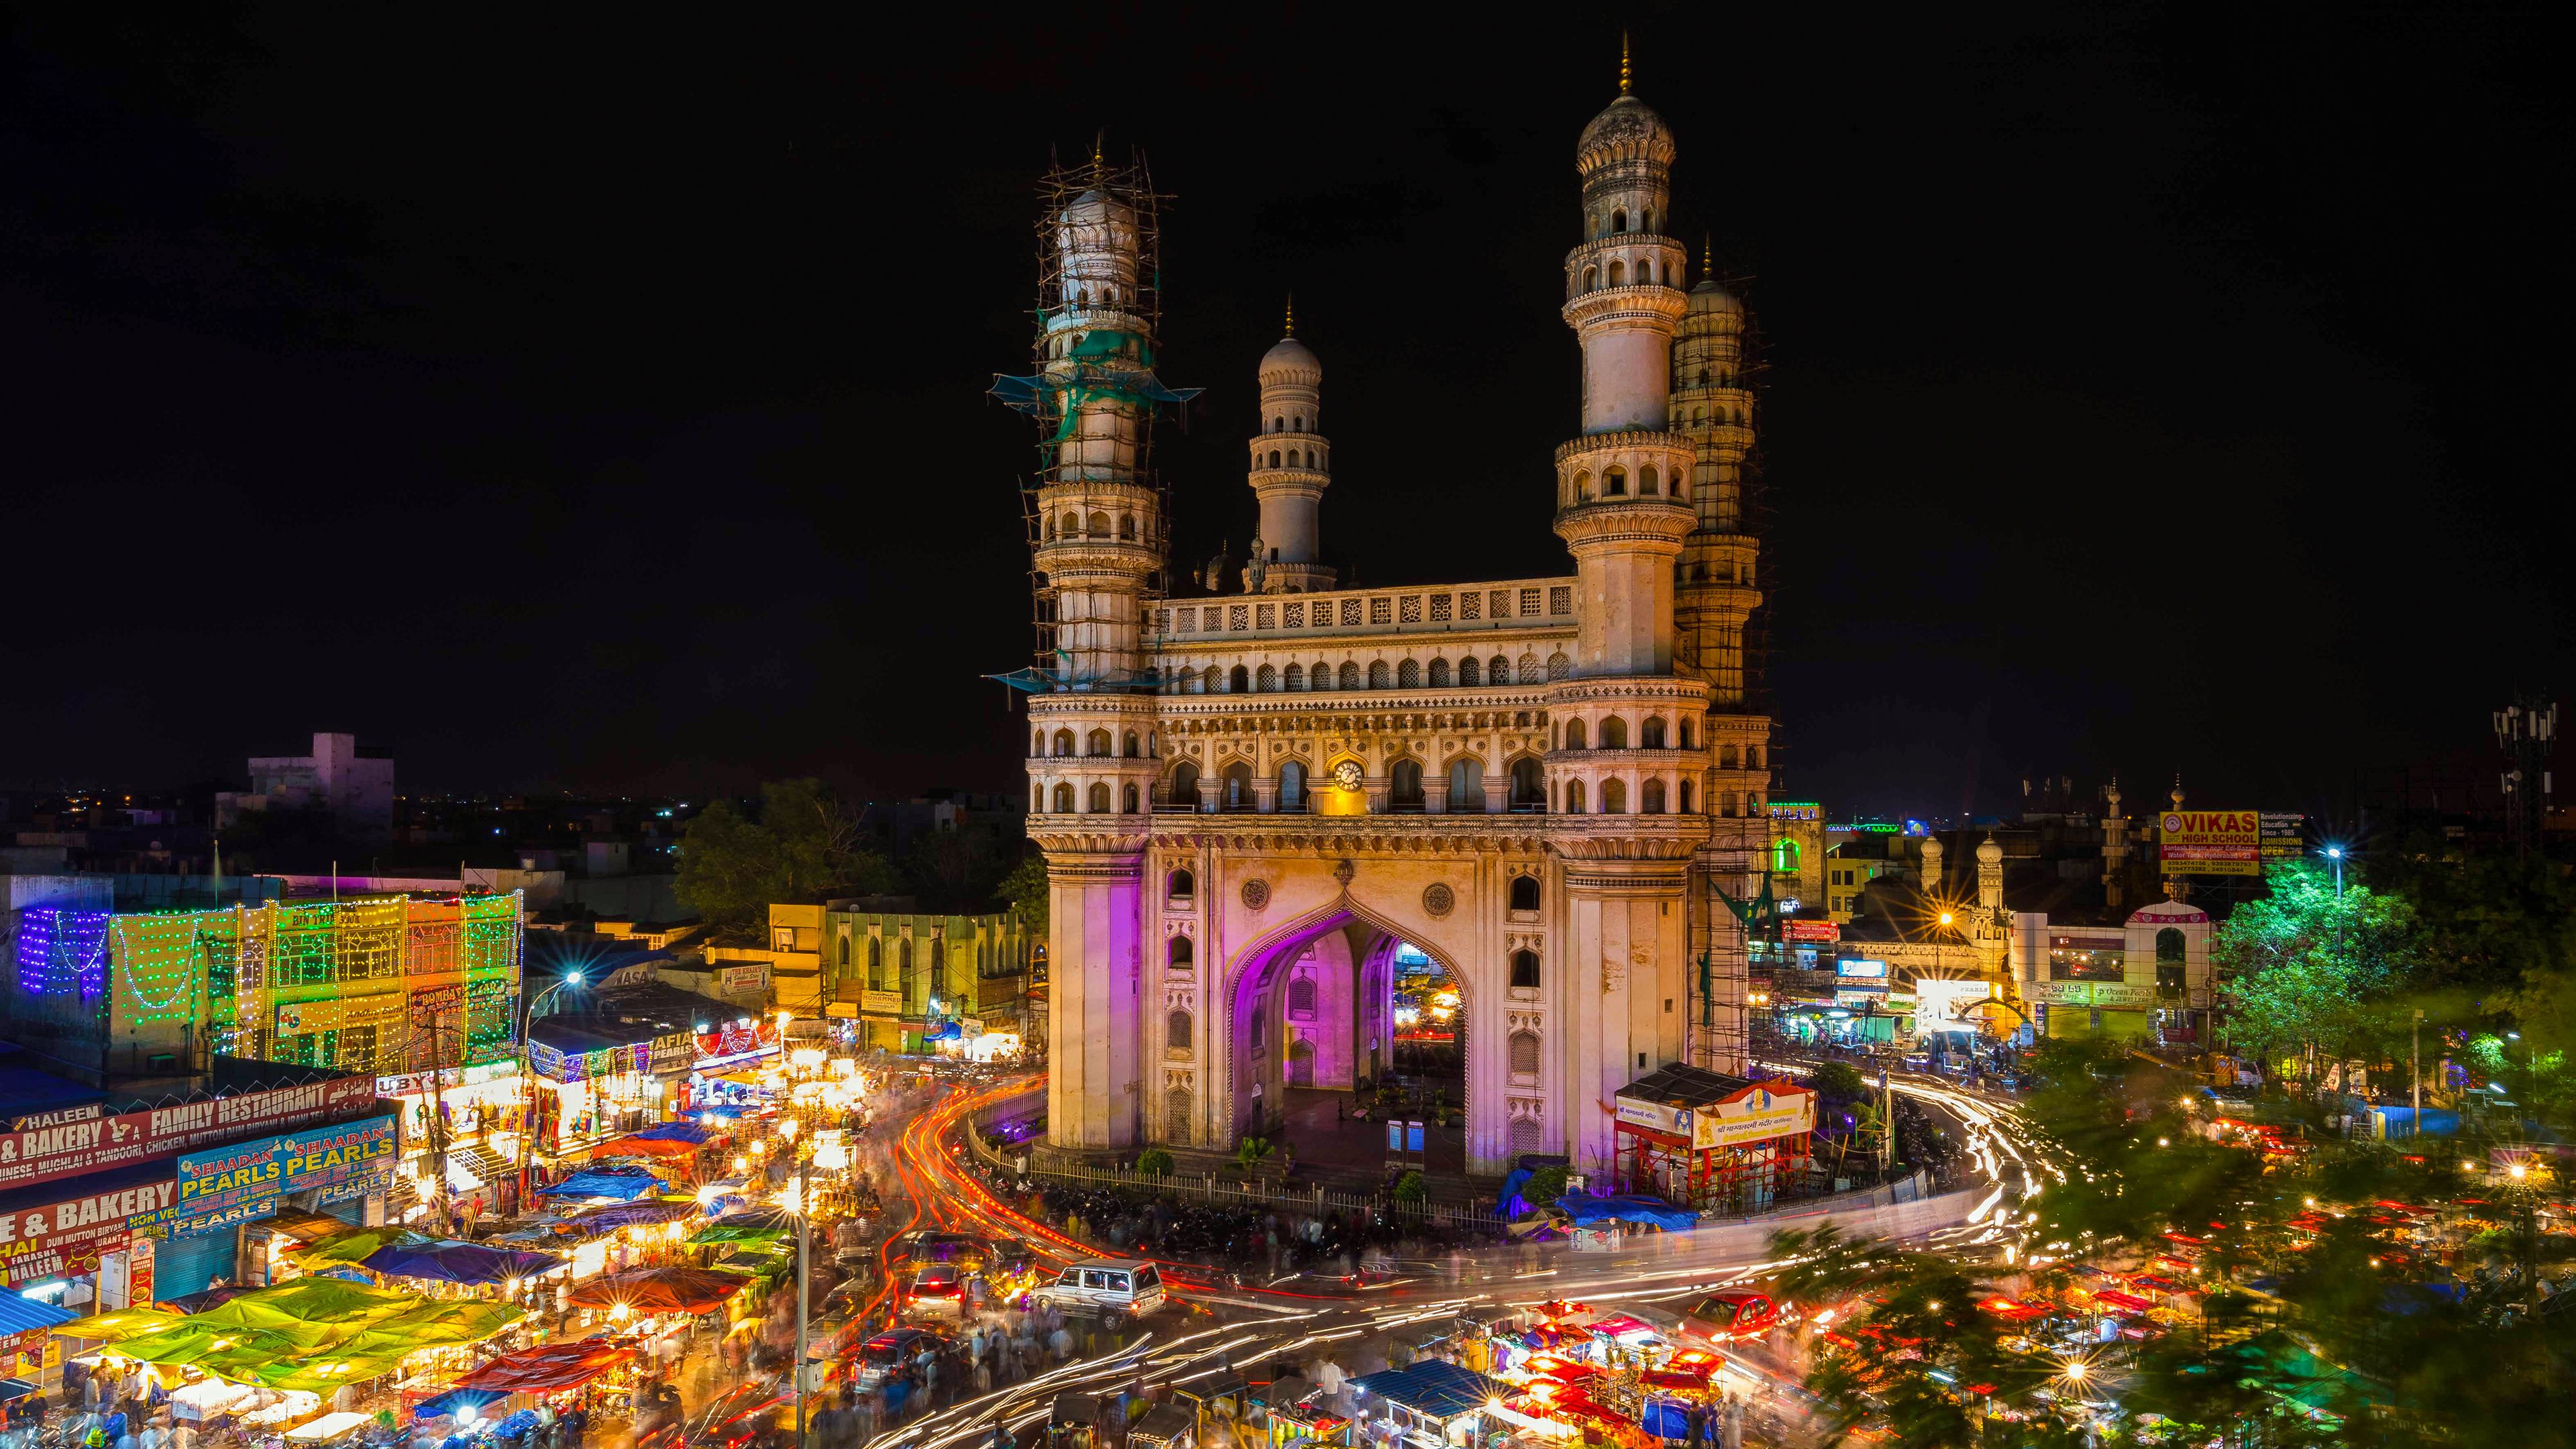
1434	1388
17	1314
616	1186
674	1132
1627	1208
461	1262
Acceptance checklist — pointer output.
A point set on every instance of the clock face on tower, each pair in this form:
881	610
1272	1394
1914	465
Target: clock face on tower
1347	774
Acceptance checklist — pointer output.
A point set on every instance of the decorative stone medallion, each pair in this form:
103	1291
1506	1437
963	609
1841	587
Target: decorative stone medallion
1343	870
1256	894
1438	899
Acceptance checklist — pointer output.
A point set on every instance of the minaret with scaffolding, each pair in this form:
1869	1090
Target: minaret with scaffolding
1714	597
1097	542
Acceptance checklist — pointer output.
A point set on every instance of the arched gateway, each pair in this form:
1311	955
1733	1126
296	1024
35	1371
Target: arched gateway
1535	782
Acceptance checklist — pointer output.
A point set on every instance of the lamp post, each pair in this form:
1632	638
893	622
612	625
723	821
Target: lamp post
528	1075
2334	855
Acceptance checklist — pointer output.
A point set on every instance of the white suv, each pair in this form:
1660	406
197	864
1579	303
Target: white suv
1125	1286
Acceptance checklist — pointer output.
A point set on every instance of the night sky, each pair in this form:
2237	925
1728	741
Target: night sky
599	403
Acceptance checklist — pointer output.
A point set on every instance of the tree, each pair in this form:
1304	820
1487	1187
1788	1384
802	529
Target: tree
1154	1162
1024	892
2311	976
803	848
1251	1152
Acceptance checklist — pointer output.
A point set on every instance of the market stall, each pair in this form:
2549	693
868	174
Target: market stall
1712	1141
1431	1404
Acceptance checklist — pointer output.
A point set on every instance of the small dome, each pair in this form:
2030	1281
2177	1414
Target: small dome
1627	127
1711	296
1990	854
1291	360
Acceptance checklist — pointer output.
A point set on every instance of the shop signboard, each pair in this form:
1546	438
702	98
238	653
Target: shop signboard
2096	993
736	1043
328	1155
1657	1116
1756	1116
1941	1001
1811	931
2210	842
1851	968
554	1065
673	1051
754	977
437	1027
68	1237
414	1084
68	1149
881	1003
2285	837
85	1112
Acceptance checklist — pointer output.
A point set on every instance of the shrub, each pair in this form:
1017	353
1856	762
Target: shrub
1545	1186
1411	1187
1154	1162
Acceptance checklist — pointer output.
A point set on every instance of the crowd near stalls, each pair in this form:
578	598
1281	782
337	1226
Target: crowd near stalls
663	1253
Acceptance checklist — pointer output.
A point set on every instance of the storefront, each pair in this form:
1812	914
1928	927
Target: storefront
1711	1141
480	1104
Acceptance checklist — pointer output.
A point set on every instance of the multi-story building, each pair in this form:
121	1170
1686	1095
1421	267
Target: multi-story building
1249	803
351	781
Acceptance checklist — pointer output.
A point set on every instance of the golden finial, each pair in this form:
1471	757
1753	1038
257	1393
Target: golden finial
1099	140
1707	256
1623	62
1292	314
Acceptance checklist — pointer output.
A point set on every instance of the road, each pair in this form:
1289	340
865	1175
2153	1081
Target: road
1298	1319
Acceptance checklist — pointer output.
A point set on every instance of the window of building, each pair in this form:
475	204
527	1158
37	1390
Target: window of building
1525	967
1176	1031
1524	893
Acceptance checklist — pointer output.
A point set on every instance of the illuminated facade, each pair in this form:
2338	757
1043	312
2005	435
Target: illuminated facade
376	985
1250	801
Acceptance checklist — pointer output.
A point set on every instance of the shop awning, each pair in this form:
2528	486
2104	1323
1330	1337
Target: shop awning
119	1323
18	1315
1434	1388
446	1262
2123	1302
661	1290
689	1132
621	1214
547	1369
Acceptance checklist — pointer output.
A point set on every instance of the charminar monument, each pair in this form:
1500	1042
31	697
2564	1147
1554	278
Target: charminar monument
1250	798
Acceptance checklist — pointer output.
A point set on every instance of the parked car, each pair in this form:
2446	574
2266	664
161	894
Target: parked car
1110	1286
876	1359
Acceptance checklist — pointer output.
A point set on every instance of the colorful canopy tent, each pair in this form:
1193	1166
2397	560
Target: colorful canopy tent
454	1400
199	1302
307	1301
1434	1388
603	1183
353	1245
733	1233
622	1214
119	1323
661	1290
639	1145
447	1262
314	1334
759	1217
548	1368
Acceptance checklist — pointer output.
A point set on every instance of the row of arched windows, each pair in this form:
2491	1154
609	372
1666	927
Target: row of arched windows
1617	221
1072	525
1377	674
1614	484
1613	734
1466	794
1093	800
1293	456
1617	274
1097	745
1612	797
1295	424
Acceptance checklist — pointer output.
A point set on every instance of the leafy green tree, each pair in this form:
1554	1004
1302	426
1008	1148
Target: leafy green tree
1411	1187
803	848
2312	978
1251	1152
1024	893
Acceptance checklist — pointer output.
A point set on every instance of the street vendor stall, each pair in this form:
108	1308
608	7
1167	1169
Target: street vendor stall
1431	1404
548	1368
661	1290
1712	1141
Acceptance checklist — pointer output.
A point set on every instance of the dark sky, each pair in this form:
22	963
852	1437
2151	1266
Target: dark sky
599	403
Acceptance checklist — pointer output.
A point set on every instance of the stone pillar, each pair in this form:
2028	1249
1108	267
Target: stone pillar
1435	794
1623	955
1095	961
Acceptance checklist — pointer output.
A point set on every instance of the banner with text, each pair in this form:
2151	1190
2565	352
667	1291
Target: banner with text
68	1149
2210	842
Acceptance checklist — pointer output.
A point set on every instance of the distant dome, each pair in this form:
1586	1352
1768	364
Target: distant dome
1989	853
1711	296
1627	128
1291	361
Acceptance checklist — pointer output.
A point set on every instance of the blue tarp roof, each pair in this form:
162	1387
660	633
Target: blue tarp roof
455	1399
1627	1208
674	1132
17	1314
616	1185
1433	1387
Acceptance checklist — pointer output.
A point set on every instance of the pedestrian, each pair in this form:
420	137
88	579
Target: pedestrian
1734	1424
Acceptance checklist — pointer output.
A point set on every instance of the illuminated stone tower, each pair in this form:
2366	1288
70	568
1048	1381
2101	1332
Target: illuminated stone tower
1291	467
1626	753
1098	553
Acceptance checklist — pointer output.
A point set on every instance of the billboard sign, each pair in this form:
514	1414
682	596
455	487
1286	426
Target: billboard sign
47	1154
69	1236
2210	842
1853	967
1756	1116
2285	837
1810	931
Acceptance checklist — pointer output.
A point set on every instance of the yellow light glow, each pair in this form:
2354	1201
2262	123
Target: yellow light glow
787	1128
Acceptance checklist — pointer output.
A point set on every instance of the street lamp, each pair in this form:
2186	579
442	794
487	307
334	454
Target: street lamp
528	1073
2334	854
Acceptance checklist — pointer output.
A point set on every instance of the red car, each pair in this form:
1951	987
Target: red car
1732	1314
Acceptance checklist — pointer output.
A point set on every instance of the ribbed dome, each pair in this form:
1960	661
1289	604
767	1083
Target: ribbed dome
1291	361
1989	853
1628	128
